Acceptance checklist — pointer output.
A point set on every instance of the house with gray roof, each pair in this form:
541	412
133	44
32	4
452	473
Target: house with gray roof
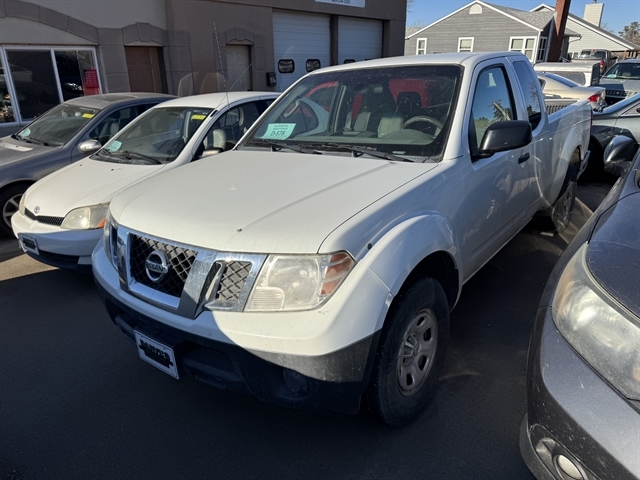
485	27
591	35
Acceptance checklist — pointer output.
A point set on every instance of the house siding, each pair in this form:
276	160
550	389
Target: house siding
491	32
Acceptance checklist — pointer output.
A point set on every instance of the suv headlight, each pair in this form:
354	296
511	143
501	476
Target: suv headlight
601	330
86	218
109	239
296	282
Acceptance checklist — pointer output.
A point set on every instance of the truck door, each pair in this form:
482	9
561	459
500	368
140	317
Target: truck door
497	189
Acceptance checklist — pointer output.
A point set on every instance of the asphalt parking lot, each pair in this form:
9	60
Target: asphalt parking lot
77	403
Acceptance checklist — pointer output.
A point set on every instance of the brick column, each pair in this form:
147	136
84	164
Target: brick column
560	16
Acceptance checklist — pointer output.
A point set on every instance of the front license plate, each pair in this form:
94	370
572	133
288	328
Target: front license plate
30	244
157	354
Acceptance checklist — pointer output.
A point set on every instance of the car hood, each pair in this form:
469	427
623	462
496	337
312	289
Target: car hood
259	202
87	182
614	252
12	151
627	85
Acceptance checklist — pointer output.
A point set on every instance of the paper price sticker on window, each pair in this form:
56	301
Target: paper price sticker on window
114	146
198	117
280	131
87	115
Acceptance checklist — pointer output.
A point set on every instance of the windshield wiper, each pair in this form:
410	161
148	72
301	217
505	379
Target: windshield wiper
358	151
277	146
29	140
135	155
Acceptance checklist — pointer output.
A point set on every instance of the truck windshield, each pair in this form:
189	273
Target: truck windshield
157	137
56	127
405	110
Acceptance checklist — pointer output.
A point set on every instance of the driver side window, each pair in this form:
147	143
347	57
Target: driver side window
112	124
230	127
492	102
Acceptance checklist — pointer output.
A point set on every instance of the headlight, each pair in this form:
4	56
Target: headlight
86	218
21	207
601	330
109	239
288	282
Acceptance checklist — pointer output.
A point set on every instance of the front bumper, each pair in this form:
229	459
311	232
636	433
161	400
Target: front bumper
59	247
303	360
575	413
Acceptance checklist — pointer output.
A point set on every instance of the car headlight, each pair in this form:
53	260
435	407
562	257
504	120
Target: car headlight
86	218
296	282
109	239
601	330
21	207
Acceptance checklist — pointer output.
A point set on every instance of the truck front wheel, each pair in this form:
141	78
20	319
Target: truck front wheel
410	354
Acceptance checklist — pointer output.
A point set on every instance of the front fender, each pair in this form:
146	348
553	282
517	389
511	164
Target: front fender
394	256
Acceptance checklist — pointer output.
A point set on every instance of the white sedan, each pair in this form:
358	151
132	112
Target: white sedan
557	87
60	217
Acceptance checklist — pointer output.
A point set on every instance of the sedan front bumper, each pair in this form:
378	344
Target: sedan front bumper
59	247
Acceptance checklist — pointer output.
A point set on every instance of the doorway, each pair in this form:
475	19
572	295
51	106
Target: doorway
143	65
239	68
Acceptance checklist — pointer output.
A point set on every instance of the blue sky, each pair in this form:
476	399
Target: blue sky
616	14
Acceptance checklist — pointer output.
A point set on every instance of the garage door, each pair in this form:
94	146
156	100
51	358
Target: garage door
299	37
359	39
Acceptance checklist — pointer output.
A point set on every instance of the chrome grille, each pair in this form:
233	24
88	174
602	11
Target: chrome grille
619	93
180	261
57	221
233	278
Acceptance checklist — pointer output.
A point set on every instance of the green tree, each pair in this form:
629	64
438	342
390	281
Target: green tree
631	33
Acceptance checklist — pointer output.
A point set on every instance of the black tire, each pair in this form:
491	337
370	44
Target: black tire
9	201
557	217
403	380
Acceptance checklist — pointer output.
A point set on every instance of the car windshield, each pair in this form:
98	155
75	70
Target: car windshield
578	77
156	137
629	71
386	112
56	127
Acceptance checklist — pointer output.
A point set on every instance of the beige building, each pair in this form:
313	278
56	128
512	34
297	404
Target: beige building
54	50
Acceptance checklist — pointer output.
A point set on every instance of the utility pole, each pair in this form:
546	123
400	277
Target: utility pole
560	19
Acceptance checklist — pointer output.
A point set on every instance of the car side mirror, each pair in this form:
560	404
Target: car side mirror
503	136
618	155
89	146
209	152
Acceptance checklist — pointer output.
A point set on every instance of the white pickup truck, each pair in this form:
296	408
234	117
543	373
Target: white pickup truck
317	262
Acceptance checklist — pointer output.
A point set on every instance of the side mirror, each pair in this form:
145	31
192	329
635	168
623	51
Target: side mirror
618	155
505	135
89	146
209	152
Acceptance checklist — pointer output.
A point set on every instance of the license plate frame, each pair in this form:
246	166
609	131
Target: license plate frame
29	244
157	354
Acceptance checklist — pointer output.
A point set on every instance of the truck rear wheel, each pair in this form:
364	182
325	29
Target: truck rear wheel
410	354
557	217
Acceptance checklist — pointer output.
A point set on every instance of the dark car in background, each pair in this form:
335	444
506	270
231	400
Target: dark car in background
66	133
583	369
622	118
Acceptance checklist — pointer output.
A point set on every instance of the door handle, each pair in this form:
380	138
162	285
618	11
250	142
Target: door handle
524	157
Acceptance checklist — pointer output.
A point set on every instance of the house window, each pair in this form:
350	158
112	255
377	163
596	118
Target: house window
421	46
542	49
465	44
523	45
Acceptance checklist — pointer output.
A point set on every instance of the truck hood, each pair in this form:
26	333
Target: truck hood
12	151
259	202
87	182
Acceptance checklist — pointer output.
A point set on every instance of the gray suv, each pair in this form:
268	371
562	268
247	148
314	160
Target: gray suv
583	369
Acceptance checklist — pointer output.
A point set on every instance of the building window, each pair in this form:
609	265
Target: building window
421	46
465	44
41	78
523	45
542	49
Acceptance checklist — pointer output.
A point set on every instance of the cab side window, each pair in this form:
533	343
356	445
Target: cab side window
492	102
529	87
112	124
230	127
